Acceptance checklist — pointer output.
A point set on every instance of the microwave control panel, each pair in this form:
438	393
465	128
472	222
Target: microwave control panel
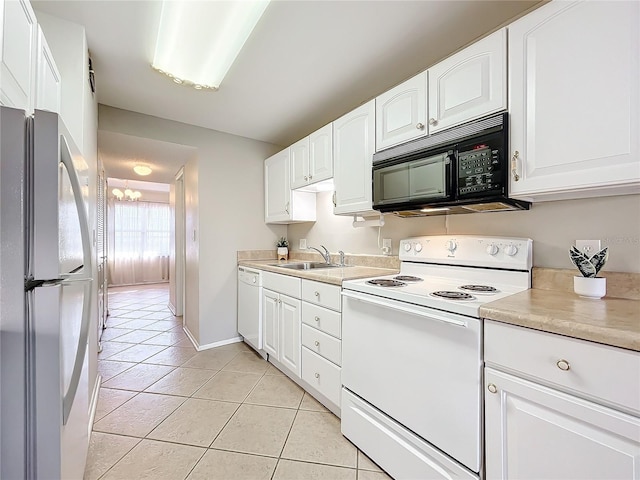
479	171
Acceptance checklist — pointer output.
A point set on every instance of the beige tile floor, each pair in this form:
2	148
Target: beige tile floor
166	411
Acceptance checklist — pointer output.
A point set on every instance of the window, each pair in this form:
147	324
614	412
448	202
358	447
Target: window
141	234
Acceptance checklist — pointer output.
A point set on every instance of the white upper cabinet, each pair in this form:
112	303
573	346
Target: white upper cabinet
47	78
470	84
282	205
300	163
353	147
312	159
321	154
574	100
401	112
18	54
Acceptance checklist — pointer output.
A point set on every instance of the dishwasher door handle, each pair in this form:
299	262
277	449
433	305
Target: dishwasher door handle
394	305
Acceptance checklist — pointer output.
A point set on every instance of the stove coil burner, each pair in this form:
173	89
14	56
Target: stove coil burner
383	282
407	278
479	288
452	295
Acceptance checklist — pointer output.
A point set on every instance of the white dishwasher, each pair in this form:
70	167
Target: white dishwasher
250	306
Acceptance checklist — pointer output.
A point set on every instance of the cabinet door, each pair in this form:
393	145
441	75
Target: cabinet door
574	96
470	84
17	54
534	432
277	191
270	322
300	163
47	78
353	145
401	112
290	340
321	154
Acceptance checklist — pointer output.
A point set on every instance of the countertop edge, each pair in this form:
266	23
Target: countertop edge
333	276
613	329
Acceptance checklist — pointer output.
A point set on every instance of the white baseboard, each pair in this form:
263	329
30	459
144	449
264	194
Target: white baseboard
209	345
172	308
94	402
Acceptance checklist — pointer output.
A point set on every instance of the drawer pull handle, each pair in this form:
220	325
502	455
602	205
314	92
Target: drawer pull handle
317	319
317	375
317	343
317	294
492	388
563	365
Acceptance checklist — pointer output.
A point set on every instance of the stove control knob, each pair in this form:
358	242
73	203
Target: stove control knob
511	250
418	247
492	249
407	247
451	245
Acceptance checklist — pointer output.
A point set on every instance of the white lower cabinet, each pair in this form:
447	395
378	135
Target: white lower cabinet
322	375
557	407
537	432
302	330
281	327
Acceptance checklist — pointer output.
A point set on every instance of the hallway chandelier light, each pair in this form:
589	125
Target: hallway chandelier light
198	41
128	194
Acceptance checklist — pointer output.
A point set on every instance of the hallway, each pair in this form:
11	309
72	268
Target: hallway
166	411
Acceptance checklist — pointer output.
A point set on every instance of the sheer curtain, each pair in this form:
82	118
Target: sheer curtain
139	235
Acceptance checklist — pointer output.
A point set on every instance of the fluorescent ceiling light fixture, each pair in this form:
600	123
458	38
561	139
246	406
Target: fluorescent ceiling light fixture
142	170
198	41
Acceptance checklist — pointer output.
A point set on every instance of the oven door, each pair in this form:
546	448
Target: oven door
419	366
417	180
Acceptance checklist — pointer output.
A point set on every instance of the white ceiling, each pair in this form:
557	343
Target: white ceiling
120	153
306	63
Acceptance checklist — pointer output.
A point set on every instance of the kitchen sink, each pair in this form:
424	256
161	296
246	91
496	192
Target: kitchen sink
306	265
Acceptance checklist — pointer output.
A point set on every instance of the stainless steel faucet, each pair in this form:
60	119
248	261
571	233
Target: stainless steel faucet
326	255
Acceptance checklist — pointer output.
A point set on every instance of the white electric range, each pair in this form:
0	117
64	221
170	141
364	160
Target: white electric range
412	353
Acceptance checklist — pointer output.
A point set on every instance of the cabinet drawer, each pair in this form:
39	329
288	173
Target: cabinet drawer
322	375
323	319
606	374
282	284
322	294
324	345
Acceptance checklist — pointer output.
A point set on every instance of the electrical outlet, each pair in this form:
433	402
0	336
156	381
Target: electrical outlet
386	246
590	247
303	244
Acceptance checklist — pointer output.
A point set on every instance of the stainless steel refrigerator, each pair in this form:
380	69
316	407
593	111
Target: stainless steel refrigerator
45	298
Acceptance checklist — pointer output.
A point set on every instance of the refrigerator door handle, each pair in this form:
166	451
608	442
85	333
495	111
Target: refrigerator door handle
70	394
65	158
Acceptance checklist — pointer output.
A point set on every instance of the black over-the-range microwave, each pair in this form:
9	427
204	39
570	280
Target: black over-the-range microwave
460	170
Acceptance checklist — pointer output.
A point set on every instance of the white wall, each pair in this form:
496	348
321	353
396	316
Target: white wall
553	226
192	250
230	209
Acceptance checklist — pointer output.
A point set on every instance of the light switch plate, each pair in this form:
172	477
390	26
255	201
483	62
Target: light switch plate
590	247
303	244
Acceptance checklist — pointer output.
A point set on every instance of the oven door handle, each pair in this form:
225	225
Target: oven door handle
394	305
